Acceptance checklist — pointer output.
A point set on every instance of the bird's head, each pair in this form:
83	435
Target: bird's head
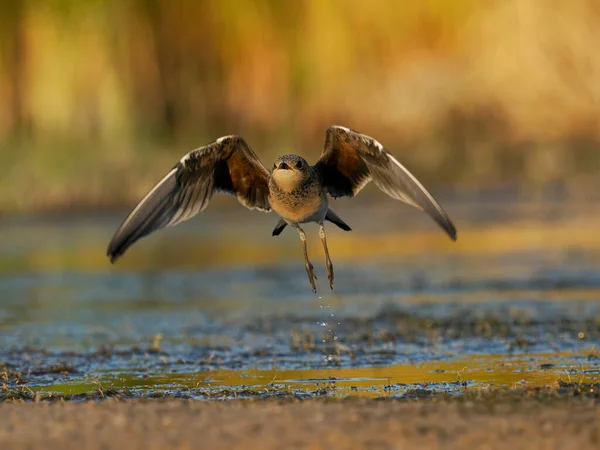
289	171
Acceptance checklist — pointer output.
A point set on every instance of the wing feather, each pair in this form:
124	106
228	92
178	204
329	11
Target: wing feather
350	160
228	165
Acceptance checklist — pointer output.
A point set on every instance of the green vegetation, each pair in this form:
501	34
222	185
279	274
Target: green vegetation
98	98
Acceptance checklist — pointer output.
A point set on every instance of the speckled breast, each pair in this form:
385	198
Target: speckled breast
309	205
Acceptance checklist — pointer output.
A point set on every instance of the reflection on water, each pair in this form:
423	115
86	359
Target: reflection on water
218	302
477	372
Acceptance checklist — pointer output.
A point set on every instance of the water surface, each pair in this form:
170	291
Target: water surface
219	306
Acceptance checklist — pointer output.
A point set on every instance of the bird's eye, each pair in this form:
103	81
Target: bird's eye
299	165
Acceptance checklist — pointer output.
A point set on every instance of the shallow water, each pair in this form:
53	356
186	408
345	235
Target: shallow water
218	307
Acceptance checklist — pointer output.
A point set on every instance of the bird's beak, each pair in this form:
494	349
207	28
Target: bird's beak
283	166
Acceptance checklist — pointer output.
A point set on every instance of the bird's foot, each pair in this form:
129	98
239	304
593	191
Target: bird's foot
311	276
330	275
312	269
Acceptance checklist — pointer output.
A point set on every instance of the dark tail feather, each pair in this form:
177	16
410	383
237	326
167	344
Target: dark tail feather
333	218
279	227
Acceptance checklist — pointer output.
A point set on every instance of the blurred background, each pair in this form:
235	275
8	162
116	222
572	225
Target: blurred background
494	105
99	98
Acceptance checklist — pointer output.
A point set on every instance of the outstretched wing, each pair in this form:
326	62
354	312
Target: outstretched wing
227	165
350	160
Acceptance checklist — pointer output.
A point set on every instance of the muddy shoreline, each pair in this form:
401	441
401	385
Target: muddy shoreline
546	419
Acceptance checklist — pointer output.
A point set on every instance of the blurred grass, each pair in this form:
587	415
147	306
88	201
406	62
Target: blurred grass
99	98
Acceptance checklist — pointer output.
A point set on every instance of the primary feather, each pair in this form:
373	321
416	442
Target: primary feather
350	160
227	165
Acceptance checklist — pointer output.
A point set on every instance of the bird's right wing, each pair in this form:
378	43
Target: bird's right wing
227	165
350	160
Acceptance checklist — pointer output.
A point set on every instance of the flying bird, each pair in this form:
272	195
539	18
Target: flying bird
293	189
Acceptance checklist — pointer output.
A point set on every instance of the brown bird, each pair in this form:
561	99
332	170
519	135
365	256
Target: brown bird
294	189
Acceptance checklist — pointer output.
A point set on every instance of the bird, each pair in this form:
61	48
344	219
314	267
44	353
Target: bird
296	191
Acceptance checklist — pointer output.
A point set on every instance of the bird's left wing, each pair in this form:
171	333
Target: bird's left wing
350	160
227	165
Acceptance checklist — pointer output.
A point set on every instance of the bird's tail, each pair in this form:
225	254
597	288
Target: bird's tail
279	227
334	218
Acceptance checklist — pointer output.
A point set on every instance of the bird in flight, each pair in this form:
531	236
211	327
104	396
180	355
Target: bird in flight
295	190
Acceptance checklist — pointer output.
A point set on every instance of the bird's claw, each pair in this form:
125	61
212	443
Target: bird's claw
311	276
329	272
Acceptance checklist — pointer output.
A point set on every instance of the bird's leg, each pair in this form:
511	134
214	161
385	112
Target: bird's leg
327	259
309	267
